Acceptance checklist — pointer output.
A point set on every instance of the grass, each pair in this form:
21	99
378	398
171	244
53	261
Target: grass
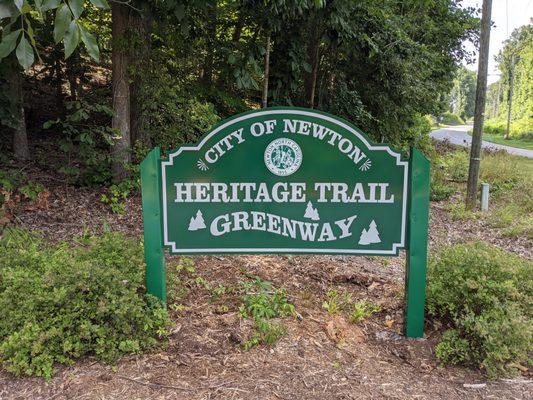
513	142
517	142
511	189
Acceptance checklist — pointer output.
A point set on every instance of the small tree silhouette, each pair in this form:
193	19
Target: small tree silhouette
370	235
197	222
311	212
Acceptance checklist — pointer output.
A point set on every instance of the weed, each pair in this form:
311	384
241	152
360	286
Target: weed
458	212
178	280
117	194
262	302
362	310
336	302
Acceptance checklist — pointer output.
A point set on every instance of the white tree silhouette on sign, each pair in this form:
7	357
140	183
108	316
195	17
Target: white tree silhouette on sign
311	212
370	235
197	222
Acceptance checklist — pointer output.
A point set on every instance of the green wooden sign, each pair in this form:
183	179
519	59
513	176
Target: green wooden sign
286	180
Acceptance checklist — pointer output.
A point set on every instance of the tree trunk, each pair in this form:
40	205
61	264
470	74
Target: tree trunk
238	28
310	78
121	90
481	93
211	40
20	137
73	71
58	81
141	24
267	70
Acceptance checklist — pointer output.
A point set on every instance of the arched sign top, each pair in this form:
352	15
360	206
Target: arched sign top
284	180
288	180
287	111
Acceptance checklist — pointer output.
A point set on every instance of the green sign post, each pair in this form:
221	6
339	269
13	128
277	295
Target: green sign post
288	180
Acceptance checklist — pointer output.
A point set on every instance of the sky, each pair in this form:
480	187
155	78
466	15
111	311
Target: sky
507	15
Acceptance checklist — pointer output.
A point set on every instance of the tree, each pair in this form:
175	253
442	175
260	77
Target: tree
13	115
463	94
519	46
16	20
389	62
121	90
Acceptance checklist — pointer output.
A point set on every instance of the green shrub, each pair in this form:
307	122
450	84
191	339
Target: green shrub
483	295
451	119
520	128
60	303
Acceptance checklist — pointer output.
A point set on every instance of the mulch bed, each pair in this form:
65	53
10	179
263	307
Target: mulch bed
321	356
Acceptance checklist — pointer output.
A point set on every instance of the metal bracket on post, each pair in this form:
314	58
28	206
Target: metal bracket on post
415	274
153	232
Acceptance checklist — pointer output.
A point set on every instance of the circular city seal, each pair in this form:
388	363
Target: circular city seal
283	157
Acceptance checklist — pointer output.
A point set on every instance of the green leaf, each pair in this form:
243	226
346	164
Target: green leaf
50	5
8	44
77	7
7	9
62	22
29	30
72	38
90	43
25	53
101	4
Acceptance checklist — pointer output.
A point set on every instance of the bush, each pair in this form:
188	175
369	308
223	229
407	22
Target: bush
483	296
61	303
519	129
451	119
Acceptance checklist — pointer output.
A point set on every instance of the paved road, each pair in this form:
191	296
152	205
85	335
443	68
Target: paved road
458	135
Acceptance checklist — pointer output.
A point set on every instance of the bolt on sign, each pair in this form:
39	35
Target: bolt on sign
288	180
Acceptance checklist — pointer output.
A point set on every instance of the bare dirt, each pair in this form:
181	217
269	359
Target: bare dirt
321	356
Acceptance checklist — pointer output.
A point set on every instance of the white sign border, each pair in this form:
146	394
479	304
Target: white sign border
397	156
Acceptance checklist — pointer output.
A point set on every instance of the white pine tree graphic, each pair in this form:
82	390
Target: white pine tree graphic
311	212
197	222
370	235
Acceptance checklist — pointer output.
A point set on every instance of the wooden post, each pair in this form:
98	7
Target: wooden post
415	272
153	232
481	93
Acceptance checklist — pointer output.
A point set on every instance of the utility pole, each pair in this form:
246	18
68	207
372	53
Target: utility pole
481	94
510	101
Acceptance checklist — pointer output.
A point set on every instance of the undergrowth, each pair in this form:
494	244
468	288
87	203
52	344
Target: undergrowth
266	305
342	302
483	296
60	303
511	189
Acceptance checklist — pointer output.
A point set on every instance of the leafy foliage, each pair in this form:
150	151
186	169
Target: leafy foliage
487	309
451	119
462	97
68	27
342	302
517	51
85	142
262	303
60	303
